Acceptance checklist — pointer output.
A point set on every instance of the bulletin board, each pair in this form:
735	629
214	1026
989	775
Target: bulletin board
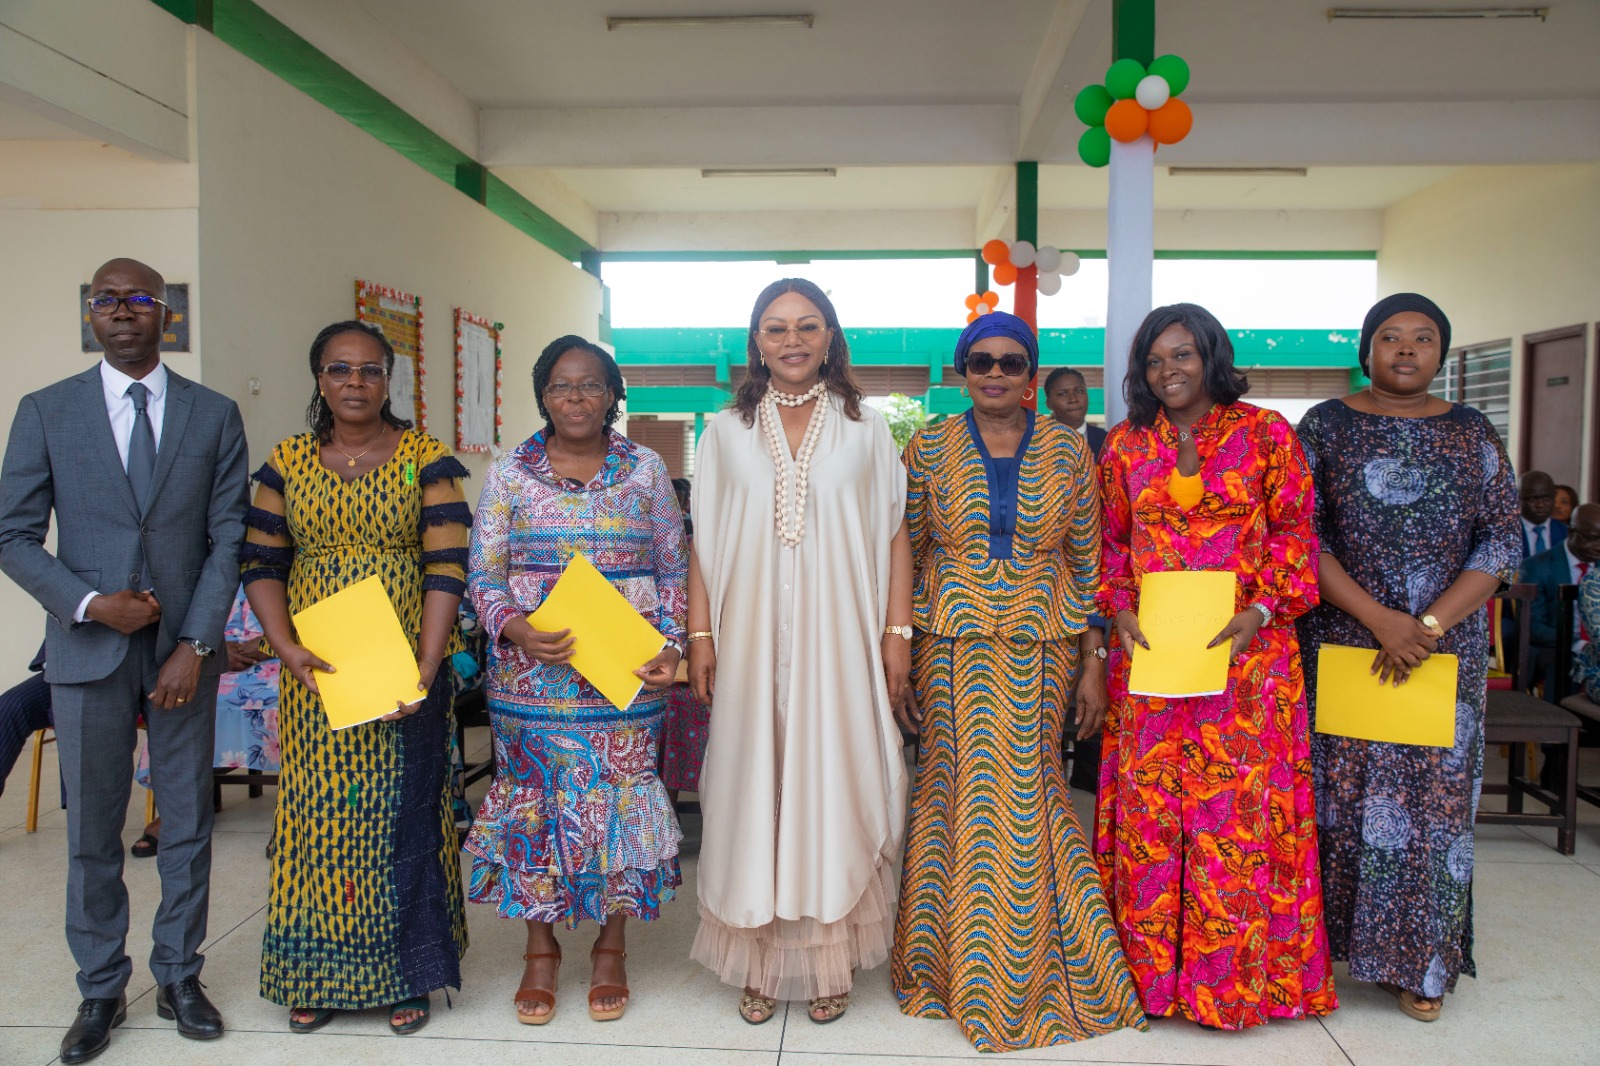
399	315
478	370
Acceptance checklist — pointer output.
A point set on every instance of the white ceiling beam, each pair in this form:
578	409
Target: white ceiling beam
1456	133
908	135
364	45
1070	56
734	231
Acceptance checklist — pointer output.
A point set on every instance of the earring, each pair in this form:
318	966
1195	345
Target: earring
965	393
1028	394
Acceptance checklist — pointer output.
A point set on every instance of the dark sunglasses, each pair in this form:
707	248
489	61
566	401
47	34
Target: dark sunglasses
1012	365
369	372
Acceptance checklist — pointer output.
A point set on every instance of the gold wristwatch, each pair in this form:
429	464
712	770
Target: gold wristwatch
899	631
1431	624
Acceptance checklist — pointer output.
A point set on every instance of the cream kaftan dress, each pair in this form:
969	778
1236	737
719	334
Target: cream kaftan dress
803	790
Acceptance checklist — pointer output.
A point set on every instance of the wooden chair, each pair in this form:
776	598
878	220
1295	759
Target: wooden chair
1571	696
1517	718
31	824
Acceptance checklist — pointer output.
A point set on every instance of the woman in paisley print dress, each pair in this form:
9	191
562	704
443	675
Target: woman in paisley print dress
1417	517
1204	832
576	824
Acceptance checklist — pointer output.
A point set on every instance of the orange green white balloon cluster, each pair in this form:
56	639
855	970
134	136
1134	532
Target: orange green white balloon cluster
1135	100
1009	257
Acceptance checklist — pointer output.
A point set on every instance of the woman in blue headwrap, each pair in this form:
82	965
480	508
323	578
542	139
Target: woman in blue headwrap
1002	924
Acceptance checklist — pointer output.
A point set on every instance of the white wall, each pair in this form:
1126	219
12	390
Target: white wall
1504	251
296	203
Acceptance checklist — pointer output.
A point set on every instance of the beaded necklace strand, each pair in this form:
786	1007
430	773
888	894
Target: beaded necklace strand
791	524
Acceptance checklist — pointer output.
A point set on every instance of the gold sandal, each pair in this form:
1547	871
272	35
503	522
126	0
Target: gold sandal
756	1009
1411	1004
832	1007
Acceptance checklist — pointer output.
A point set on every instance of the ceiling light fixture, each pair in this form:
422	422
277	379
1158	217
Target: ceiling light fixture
1236	172
1540	13
618	22
769	172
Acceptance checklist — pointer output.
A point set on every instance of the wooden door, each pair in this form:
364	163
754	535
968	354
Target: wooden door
1552	403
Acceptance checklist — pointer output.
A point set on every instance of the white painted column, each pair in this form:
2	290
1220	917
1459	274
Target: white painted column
1130	252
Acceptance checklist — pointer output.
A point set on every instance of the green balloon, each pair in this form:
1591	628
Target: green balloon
1174	70
1094	147
1092	104
1122	79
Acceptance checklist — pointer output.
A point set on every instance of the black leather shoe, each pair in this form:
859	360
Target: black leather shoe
91	1029
185	1001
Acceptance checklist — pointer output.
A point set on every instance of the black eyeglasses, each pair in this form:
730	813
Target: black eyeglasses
1012	365
137	304
371	373
561	390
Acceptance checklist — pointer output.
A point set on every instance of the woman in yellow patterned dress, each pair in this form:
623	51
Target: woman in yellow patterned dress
1002	924
365	907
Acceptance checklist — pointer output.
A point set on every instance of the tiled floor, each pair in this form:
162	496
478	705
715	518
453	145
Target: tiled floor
1537	999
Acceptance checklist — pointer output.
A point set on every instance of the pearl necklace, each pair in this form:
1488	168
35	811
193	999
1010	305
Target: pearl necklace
792	524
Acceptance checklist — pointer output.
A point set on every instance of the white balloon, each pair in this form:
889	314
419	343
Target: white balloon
983	309
1049	284
1069	264
1047	259
1022	254
1152	92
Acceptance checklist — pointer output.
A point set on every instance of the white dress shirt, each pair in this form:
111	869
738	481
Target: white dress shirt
119	406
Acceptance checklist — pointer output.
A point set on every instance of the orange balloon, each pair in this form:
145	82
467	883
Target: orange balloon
1127	121
996	252
1171	122
972	316
1005	274
973	301
991	298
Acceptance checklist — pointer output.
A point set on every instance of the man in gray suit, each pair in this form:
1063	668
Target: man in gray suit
146	473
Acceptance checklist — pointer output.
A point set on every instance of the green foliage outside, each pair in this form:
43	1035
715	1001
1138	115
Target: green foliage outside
905	416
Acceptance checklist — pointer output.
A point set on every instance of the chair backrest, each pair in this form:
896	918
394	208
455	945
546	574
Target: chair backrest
1567	601
1523	597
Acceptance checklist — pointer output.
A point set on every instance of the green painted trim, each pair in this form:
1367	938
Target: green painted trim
676	399
790	257
1028	201
244	26
1133	30
981	279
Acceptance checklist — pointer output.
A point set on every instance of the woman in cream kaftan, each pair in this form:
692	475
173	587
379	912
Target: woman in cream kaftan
803	790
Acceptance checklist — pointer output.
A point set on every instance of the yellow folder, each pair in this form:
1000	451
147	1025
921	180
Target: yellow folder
1352	703
356	632
610	639
1179	612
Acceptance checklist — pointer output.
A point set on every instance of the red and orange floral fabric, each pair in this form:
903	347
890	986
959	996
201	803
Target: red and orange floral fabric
1205	833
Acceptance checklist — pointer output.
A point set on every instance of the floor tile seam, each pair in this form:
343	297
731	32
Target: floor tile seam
230	1030
1323	1022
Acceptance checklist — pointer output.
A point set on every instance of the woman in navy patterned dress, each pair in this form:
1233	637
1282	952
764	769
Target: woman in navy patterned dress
1417	515
576	825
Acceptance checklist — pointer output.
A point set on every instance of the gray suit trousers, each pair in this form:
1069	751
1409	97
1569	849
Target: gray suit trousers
95	730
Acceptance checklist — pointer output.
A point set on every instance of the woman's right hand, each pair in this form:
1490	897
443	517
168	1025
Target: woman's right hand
301	661
552	649
703	670
1129	633
1404	642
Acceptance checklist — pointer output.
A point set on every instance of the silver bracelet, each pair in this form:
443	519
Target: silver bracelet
1266	613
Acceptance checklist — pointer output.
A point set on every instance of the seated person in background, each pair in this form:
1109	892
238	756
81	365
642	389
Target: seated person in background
1566	564
247	713
24	710
1067	396
1566	499
1540	532
1586	668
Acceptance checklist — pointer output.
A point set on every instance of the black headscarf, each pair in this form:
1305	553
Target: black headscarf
1399	303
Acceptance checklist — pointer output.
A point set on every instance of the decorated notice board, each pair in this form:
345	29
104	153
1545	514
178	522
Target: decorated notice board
477	383
399	315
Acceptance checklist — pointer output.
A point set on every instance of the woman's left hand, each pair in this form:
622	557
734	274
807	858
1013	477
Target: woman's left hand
1241	629
427	670
661	671
1093	700
897	667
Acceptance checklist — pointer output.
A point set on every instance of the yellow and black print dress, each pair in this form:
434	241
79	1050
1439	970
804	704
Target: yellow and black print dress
365	907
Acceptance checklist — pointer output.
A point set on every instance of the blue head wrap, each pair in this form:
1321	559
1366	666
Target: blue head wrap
998	324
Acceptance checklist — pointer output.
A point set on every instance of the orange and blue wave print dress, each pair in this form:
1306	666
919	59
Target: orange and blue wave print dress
1206	829
1002	924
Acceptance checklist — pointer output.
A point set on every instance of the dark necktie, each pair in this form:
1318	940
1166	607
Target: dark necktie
1539	544
141	446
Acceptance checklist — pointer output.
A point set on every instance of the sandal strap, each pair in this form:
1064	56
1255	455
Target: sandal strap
414	1003
543	955
539	997
618	952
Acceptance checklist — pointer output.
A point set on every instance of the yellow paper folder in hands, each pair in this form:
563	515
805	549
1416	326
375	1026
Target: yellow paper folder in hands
356	632
1180	611
610	640
1351	702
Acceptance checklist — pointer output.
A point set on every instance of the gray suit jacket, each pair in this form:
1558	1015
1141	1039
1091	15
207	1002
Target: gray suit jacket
62	457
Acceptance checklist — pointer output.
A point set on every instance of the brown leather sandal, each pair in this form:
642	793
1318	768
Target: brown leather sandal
539	996
599	992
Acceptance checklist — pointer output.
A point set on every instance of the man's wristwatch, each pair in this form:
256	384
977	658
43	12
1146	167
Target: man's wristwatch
201	648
